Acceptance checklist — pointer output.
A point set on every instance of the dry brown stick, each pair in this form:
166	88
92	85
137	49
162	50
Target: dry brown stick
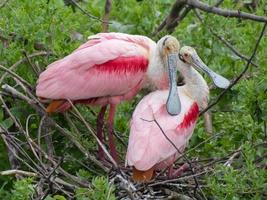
66	133
224	12
7	139
208	122
17	171
8	71
174	14
14	119
240	75
94	135
14	66
56	164
36	70
218	3
30	141
172	25
108	6
181	178
229	162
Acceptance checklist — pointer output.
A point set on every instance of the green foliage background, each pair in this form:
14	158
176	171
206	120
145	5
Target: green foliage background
239	119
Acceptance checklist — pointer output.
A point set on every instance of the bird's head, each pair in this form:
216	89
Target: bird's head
188	55
168	45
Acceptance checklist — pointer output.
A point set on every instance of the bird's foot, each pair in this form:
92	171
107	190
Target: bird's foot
178	172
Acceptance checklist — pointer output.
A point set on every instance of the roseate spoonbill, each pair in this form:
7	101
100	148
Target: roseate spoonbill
148	148
107	69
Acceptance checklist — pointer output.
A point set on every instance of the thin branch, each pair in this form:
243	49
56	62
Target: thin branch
108	6
16	171
66	133
224	12
240	75
14	66
174	14
14	75
224	41
229	162
86	12
33	66
218	3
94	135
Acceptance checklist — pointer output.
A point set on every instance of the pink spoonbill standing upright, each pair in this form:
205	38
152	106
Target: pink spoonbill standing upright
148	148
108	69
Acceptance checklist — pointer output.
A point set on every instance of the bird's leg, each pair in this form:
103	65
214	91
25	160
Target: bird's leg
110	132
178	172
99	130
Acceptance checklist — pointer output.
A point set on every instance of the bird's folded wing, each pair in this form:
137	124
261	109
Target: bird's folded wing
109	67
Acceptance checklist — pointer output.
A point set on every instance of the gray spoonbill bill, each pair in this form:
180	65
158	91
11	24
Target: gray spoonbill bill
106	70
148	148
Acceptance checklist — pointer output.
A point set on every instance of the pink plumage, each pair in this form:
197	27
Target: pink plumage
107	65
107	69
148	148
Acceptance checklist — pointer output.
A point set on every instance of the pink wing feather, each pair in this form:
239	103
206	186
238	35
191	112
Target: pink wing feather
109	64
147	144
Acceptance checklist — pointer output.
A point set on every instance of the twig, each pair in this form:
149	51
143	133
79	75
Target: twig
94	135
218	3
106	15
17	171
14	66
33	66
208	122
14	75
86	12
66	133
174	14
240	75
229	162
224	41
224	12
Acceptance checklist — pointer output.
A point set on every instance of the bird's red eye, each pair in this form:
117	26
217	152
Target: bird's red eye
186	54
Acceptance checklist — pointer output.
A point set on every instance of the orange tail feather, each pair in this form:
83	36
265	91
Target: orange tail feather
142	176
54	106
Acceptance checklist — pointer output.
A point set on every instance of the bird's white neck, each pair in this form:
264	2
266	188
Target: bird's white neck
157	74
195	85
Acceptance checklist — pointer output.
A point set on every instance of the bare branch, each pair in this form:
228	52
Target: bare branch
226	13
240	75
174	14
86	12
94	135
66	133
208	122
16	171
231	47
106	15
14	66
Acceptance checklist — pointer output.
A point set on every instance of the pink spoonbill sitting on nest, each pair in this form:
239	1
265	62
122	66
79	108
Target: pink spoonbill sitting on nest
155	135
108	69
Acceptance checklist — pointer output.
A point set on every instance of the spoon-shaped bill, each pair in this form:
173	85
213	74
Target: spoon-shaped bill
173	102
217	79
